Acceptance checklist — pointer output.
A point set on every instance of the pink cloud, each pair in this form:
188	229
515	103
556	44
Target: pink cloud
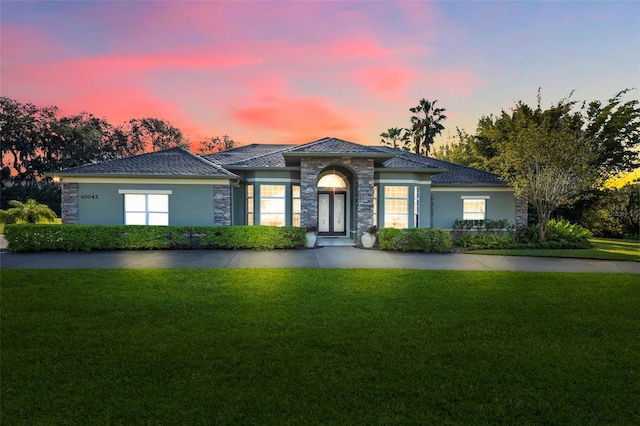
268	70
388	80
298	119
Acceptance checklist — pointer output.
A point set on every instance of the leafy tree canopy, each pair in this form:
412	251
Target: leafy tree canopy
610	130
462	149
36	140
216	144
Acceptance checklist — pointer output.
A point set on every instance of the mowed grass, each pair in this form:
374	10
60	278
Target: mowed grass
293	346
603	248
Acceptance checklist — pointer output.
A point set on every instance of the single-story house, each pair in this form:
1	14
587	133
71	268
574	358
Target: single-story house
340	187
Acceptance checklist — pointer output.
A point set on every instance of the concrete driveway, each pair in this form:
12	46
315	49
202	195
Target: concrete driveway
327	257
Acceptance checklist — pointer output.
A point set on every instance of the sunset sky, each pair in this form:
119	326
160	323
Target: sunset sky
292	72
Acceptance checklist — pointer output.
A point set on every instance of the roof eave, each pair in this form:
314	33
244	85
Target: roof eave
413	170
289	168
129	175
479	184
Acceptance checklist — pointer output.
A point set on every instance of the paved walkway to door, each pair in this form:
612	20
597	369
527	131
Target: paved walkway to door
326	257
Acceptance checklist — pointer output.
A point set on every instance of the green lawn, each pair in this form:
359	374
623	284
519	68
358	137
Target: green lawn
313	346
603	248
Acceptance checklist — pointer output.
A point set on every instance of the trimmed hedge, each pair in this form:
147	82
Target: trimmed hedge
41	237
429	240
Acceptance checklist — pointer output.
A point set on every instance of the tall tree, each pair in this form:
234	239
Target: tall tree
76	140
24	130
544	155
155	134
426	124
216	144
612	129
394	137
37	140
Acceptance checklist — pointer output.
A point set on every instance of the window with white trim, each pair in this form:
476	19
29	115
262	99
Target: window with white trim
146	208
474	209
375	205
250	199
272	205
296	205
416	206
396	206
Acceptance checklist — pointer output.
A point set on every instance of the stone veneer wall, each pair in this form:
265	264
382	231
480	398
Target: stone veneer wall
433	203
522	213
310	168
222	205
70	202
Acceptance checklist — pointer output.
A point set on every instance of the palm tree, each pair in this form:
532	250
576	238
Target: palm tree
426	125
391	137
30	212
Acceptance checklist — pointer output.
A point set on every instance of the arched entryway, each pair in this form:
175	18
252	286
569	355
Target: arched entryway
333	203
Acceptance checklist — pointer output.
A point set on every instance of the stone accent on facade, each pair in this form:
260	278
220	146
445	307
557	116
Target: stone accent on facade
364	196
70	202
522	213
222	205
433	204
362	168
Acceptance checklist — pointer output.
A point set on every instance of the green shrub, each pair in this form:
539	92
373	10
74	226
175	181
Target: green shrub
560	231
415	239
487	242
38	237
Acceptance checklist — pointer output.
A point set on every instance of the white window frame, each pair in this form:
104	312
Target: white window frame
416	206
375	205
250	205
470	210
395	220
146	211
296	205
281	213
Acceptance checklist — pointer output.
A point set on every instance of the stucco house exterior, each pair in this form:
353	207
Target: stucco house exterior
339	186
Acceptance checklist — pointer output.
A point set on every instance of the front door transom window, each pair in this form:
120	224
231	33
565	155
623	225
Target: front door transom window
332	181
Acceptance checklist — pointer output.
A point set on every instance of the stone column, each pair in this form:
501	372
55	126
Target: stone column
433	204
522	213
364	195
222	205
70	202
309	171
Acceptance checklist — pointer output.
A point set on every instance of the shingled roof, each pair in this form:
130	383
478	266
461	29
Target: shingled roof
245	153
334	146
274	155
178	162
173	162
452	174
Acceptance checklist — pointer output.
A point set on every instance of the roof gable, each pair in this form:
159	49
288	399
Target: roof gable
334	146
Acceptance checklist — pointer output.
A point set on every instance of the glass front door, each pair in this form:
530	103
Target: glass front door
332	213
